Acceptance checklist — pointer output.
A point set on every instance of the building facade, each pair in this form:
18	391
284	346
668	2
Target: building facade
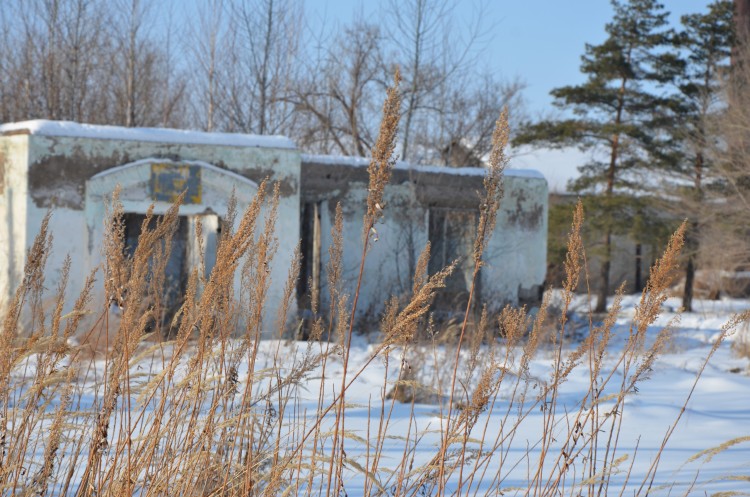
74	168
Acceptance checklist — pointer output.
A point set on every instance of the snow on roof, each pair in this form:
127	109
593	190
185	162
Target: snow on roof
72	129
457	171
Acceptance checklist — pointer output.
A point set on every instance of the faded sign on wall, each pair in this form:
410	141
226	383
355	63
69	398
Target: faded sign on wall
169	180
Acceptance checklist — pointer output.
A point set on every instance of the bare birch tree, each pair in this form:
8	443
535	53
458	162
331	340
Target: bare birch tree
146	88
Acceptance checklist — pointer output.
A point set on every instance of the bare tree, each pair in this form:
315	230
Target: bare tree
208	35
52	59
434	60
146	90
458	131
263	41
340	94
135	12
81	25
420	27
250	71
173	85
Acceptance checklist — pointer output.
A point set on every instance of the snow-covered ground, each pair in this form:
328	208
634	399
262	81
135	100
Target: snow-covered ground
718	412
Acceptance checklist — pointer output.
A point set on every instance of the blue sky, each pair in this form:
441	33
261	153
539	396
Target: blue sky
548	37
538	41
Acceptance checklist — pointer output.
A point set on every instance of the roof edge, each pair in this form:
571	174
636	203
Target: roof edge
350	161
41	127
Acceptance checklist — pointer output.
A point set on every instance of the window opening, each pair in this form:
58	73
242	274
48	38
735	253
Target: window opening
451	235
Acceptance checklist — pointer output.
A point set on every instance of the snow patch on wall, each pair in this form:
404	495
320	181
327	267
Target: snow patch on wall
164	135
455	171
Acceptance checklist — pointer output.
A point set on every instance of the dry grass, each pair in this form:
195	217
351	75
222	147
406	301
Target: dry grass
206	413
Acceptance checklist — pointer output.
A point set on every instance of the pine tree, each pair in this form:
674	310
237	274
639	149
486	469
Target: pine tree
706	41
613	112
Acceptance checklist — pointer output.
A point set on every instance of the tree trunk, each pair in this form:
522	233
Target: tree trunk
638	268
601	300
264	76
687	295
415	69
132	61
692	239
742	26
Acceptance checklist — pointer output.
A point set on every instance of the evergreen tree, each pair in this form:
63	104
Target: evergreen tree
613	113
706	40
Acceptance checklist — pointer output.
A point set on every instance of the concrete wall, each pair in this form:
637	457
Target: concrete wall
393	250
622	265
13	209
74	169
75	176
623	257
516	256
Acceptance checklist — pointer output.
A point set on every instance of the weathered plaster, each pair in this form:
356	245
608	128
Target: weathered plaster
76	175
217	188
515	260
395	246
516	257
13	234
59	166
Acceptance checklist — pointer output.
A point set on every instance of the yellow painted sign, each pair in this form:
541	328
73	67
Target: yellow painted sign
169	180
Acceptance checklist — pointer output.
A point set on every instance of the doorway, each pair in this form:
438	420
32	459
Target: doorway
175	269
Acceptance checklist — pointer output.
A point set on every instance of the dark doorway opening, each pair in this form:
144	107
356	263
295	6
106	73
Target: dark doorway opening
309	280
170	297
451	235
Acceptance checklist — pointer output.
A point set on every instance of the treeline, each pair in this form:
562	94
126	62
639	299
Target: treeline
664	111
660	115
256	66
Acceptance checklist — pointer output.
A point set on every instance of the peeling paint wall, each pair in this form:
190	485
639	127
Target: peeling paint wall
76	176
516	257
13	207
394	248
515	261
67	162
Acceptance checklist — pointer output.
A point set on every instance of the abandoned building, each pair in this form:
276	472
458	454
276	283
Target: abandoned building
74	169
423	203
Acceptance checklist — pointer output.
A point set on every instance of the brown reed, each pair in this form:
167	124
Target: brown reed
216	411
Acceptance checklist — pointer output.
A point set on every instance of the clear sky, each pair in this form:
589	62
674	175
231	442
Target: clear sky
539	41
